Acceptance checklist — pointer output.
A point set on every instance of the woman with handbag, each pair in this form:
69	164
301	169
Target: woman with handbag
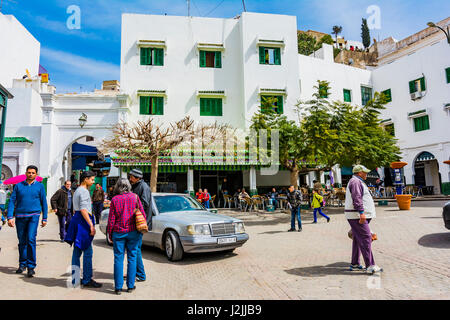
126	223
317	204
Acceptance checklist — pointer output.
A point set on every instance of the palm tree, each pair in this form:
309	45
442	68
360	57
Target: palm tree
337	30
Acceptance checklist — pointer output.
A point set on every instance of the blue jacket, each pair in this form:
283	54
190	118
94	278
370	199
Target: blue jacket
28	200
79	232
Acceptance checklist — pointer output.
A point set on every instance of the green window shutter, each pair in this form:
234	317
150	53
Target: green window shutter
219	104
426	123
153	106
202	59
202	106
277	56
412	87
347	95
388	94
159	61
421	124
447	71
280	104
144	104
422	84
144	56
159	105
218	59
262	55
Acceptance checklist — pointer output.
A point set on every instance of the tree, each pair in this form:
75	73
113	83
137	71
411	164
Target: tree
365	34
306	43
291	150
336	31
148	140
339	133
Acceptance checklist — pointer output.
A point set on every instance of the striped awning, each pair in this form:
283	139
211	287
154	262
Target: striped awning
425	156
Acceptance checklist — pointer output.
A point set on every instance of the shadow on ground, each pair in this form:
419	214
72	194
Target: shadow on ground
436	240
339	268
158	256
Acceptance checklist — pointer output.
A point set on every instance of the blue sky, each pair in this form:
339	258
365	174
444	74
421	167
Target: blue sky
85	57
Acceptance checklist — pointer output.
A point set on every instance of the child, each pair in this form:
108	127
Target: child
199	195
206	198
316	204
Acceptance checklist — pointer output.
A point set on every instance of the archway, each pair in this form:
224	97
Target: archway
426	173
6	172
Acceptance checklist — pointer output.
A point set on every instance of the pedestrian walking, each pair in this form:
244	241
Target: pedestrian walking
98	197
62	204
27	202
294	198
141	188
359	211
123	234
2	204
81	232
317	204
199	195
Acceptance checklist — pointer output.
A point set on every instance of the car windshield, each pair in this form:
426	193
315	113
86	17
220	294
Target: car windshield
177	203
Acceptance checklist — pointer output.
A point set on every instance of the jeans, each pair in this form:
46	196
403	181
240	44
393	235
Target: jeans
2	208
87	265
296	212
129	241
321	213
97	208
63	224
140	271
26	233
206	204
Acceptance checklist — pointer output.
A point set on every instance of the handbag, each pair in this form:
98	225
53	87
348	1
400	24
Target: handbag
141	223
374	235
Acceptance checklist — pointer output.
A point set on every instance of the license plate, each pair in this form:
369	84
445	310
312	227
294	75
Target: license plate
226	240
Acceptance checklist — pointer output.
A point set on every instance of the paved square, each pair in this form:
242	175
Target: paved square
413	248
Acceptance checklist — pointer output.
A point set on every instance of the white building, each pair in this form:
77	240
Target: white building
416	71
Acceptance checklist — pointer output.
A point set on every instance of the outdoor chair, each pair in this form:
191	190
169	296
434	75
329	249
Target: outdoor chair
258	202
247	203
213	198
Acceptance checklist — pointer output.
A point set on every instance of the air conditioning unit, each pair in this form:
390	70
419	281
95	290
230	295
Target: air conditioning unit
417	95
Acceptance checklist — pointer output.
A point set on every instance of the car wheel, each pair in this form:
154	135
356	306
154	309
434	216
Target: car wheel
173	248
109	243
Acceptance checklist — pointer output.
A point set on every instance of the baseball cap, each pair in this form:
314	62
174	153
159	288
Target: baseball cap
137	173
360	168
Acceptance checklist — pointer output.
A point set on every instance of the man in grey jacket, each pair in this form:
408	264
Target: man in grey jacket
359	211
141	188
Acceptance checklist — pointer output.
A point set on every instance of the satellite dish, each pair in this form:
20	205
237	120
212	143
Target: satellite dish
350	61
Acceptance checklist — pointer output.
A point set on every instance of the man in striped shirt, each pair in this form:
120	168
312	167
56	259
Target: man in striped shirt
27	201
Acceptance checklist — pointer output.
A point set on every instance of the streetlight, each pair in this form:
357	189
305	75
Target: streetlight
447	33
82	121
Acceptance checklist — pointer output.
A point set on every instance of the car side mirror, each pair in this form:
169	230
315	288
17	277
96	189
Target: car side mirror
213	210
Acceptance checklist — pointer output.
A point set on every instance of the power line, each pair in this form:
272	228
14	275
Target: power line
195	5
243	3
221	2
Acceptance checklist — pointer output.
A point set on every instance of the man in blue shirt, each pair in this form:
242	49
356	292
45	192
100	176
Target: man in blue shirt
27	202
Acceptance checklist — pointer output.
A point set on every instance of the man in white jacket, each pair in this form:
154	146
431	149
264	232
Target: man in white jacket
359	211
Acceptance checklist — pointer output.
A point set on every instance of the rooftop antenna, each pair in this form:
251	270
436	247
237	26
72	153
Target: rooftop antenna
243	3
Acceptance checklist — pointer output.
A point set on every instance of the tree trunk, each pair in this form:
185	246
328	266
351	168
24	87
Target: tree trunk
154	175
294	177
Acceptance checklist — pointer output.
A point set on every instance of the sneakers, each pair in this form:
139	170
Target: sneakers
20	270
328	220
131	289
140	280
118	292
356	267
374	269
300	230
30	273
291	230
92	284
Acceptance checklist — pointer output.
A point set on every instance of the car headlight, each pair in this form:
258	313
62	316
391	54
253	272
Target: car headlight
239	227
199	229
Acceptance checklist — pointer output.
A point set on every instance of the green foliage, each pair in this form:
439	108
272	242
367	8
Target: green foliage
336	31
308	44
326	39
365	33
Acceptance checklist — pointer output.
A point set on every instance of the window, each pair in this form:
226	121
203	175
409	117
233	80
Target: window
417	85
390	129
447	72
323	91
211	107
210	59
347	95
421	124
152	57
274	103
271	56
366	95
388	94
151	105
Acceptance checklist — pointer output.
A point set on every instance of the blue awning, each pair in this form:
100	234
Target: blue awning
83	150
347	171
425	156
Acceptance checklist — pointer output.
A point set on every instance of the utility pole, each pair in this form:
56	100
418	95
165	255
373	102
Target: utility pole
243	3
189	7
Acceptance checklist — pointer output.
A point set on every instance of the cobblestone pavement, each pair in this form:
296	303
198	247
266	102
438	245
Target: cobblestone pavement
413	248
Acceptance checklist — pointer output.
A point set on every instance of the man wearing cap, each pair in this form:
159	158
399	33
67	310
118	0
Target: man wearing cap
141	188
359	211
